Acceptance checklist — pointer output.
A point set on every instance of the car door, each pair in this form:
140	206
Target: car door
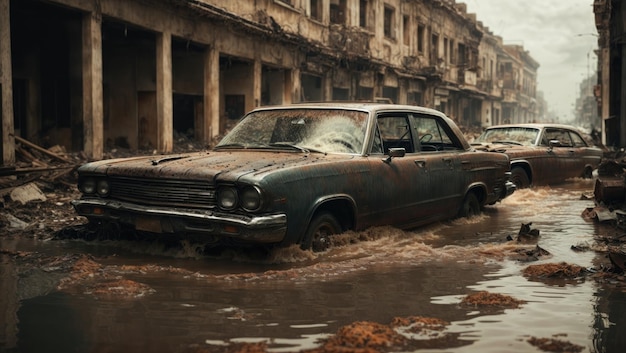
440	153
401	187
419	187
563	155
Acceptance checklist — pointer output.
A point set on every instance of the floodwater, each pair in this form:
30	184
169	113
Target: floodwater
292	299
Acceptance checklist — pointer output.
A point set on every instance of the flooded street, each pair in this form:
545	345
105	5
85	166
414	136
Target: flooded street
173	299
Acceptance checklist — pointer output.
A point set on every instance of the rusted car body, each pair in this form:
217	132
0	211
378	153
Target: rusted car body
298	174
542	154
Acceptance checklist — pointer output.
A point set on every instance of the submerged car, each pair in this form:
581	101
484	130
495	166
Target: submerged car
542	154
299	174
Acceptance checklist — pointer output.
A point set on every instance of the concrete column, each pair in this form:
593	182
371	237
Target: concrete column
296	92
604	93
165	121
257	76
93	116
211	126
6	85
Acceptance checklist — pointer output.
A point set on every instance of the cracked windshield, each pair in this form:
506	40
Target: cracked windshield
312	176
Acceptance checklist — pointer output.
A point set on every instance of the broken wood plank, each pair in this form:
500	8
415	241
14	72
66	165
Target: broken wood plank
19	171
40	149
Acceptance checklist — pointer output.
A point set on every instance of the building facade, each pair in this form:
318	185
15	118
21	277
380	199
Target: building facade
90	75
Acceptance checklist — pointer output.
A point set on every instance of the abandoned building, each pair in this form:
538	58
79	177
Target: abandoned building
610	90
92	74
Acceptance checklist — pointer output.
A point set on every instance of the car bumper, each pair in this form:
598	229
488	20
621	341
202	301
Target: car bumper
156	219
509	189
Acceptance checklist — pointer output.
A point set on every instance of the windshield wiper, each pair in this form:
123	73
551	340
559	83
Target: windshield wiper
230	145
295	147
507	142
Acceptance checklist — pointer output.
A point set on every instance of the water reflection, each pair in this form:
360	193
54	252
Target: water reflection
292	298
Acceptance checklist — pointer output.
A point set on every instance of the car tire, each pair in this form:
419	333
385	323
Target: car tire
587	173
470	206
520	178
321	228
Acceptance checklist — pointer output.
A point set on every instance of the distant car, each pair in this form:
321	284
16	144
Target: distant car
299	174
542	154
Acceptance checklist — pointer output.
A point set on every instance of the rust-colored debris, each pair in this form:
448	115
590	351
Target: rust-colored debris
417	323
120	289
485	298
554	345
363	336
554	270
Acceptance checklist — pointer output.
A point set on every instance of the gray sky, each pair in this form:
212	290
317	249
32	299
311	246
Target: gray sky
557	34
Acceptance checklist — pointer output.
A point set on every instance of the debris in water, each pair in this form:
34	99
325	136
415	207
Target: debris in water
526	234
485	298
554	345
553	270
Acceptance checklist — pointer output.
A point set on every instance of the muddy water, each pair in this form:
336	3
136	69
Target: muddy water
292	299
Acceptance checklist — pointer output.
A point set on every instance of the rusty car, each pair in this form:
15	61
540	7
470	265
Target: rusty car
542	154
298	174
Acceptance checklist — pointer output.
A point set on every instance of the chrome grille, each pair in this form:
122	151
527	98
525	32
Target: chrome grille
164	192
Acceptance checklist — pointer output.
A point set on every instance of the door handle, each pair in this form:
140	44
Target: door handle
420	163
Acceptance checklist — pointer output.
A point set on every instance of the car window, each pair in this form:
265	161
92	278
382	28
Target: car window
577	139
431	134
510	135
557	134
394	132
328	130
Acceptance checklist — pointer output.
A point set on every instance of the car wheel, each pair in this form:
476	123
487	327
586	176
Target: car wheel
470	207
588	173
520	178
321	228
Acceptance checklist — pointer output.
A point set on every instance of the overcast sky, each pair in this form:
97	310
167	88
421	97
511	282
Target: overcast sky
557	34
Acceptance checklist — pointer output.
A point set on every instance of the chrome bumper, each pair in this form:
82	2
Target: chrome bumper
261	229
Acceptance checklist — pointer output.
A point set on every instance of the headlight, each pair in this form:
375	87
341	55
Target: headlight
251	199
103	188
227	198
88	186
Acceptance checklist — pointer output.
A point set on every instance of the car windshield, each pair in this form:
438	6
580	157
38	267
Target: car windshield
523	136
321	130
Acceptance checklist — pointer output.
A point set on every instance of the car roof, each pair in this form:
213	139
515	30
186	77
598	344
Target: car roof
535	126
362	106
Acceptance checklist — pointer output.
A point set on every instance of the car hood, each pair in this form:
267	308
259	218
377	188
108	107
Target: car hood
499	147
206	165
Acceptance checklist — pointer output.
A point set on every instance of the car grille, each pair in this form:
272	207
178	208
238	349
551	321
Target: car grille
163	192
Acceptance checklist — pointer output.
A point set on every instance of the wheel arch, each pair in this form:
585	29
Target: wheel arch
479	190
342	207
525	166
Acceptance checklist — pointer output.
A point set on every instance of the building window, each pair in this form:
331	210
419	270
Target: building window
363	10
446	57
316	9
338	11
434	49
389	22
452	56
406	38
420	38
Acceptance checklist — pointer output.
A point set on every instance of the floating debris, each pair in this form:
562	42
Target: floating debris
554	270
554	345
526	234
485	298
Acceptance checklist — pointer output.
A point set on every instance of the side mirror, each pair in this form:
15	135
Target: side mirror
394	152
554	143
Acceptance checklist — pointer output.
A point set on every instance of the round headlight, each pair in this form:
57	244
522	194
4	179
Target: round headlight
103	188
251	199
88	186
227	198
